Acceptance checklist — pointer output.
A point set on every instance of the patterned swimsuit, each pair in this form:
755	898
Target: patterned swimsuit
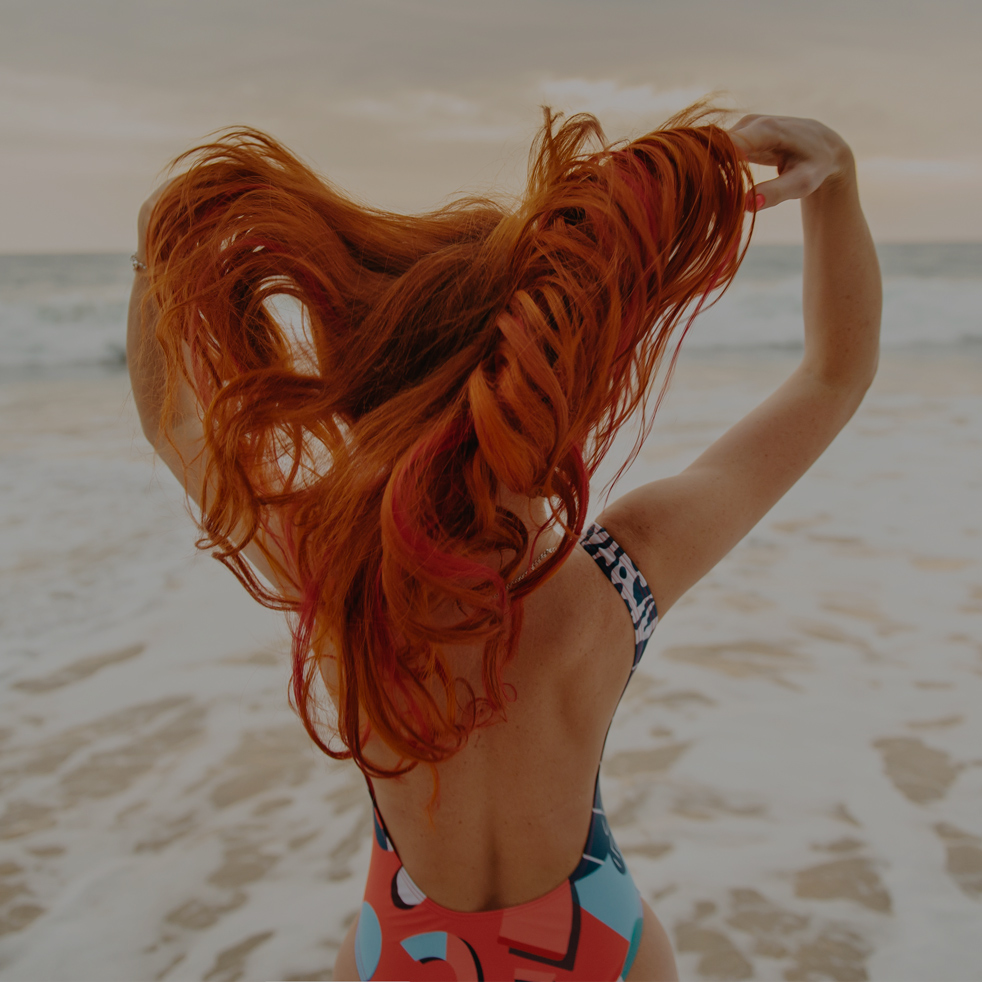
588	927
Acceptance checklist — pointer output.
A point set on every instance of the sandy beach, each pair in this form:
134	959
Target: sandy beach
794	774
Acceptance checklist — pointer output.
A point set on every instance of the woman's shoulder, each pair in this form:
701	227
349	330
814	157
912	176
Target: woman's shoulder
579	630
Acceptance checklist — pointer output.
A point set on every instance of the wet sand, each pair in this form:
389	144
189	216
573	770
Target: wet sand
794	774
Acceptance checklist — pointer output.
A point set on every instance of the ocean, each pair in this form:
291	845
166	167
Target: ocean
63	316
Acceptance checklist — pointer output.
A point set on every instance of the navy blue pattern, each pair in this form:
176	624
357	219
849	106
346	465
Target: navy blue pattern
599	841
632	586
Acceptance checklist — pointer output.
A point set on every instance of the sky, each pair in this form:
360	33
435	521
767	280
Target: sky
405	103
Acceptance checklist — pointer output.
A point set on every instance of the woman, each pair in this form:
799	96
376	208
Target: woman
408	467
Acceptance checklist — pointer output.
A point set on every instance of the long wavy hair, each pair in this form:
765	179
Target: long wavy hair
367	381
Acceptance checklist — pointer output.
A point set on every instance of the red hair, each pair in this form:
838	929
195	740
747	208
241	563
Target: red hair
442	355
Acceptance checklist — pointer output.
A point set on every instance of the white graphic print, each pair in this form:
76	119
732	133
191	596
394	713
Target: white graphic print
630	583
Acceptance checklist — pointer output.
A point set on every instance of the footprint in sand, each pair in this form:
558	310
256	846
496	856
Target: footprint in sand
796	525
936	724
633	763
79	670
942	564
683	699
838	952
719	957
25	818
974	604
706	804
15	914
845	844
964	859
918	772
224	889
740	659
854	878
809	947
772	927
230	964
264	760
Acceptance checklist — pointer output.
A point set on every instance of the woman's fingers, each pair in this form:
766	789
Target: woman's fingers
756	139
805	152
798	181
744	121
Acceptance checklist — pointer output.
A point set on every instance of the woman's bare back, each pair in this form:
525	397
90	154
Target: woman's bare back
515	803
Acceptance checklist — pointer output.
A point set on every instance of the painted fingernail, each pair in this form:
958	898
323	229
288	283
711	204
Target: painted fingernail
759	202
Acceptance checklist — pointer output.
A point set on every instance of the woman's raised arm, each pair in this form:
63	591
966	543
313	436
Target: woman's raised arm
679	528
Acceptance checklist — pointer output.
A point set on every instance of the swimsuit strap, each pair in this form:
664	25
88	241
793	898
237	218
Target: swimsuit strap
618	567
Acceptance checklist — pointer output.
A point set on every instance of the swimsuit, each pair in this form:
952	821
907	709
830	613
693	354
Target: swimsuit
588	927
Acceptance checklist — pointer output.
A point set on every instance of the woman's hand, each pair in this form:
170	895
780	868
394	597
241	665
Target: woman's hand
806	153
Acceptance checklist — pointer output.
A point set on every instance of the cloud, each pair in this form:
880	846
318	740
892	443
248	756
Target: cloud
607	97
440	117
412	107
37	105
907	168
473	133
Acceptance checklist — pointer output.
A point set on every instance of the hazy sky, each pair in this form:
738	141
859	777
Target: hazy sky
404	102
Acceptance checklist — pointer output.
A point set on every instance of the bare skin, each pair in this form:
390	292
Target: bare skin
515	802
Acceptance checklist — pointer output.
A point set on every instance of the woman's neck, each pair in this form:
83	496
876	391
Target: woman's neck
535	516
